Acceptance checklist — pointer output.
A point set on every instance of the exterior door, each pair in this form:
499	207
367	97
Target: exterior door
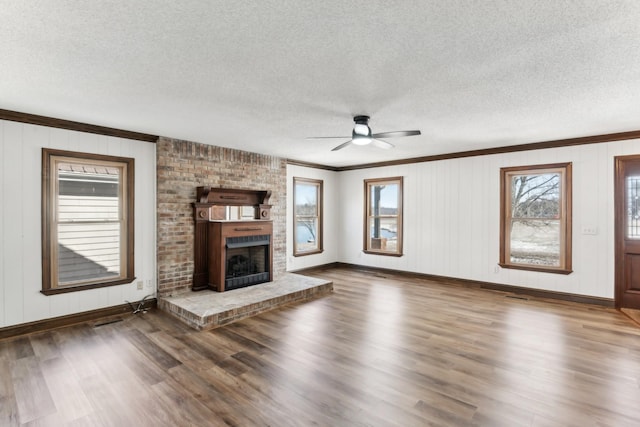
627	231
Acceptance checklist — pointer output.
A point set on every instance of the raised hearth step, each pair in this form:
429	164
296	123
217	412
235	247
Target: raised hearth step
209	309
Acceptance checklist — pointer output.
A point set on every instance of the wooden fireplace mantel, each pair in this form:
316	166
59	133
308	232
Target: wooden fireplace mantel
210	197
209	202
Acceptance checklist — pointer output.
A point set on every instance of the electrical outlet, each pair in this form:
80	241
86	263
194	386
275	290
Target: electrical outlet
496	269
139	284
148	283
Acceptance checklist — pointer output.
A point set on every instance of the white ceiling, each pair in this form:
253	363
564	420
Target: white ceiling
263	75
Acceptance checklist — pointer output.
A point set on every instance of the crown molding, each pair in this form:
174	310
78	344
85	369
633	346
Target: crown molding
584	140
33	119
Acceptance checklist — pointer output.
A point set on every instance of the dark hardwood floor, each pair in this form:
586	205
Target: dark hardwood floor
379	351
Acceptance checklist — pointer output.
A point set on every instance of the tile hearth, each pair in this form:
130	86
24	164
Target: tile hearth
209	309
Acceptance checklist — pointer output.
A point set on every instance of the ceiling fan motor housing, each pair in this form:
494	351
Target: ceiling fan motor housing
361	120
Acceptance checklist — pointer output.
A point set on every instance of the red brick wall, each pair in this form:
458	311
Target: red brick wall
182	166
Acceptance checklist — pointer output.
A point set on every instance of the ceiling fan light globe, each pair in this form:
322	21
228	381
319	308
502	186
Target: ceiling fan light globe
361	139
360	129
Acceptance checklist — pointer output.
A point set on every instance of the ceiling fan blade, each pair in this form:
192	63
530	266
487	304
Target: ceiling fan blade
382	144
341	146
327	137
396	133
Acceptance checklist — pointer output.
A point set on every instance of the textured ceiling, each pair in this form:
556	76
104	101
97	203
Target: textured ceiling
263	75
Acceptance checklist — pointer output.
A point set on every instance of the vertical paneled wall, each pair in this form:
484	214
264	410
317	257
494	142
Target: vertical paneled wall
330	216
185	165
452	218
20	222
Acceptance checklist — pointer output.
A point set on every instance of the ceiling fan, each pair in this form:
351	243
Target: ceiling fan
361	135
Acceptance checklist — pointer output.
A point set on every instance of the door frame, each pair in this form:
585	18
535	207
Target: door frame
619	224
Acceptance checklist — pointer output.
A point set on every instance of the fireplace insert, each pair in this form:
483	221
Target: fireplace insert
247	261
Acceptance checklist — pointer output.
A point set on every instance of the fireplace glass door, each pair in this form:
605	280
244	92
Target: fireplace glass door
247	261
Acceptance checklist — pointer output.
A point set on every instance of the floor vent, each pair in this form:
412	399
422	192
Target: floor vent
516	297
108	322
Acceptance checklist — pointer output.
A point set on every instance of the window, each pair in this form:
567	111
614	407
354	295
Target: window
632	184
535	218
307	216
87	221
383	216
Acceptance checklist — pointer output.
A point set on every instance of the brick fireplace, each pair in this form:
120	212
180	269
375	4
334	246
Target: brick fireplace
182	166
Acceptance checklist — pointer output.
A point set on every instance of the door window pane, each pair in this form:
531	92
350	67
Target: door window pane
633	207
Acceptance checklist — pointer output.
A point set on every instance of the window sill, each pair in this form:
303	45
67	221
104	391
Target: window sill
370	252
538	269
67	289
299	254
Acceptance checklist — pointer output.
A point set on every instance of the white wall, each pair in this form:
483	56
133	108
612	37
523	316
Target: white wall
452	219
20	222
330	215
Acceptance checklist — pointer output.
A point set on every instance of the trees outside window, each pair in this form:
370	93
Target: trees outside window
536	218
307	221
383	216
87	221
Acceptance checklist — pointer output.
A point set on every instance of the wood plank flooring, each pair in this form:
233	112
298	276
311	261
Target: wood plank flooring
381	350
